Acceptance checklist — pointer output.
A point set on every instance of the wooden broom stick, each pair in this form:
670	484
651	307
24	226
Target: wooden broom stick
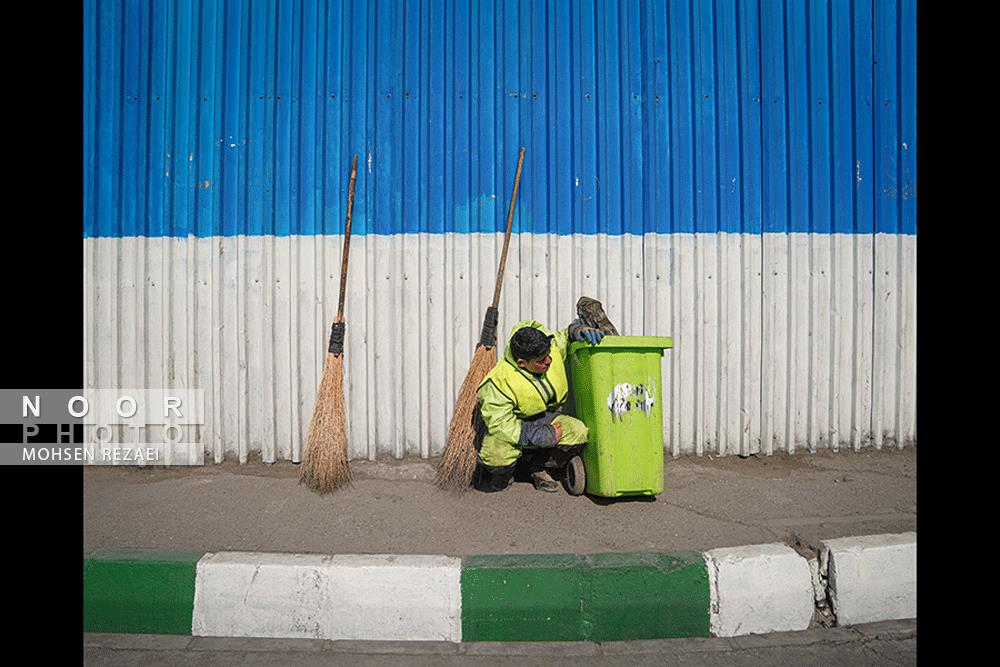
325	466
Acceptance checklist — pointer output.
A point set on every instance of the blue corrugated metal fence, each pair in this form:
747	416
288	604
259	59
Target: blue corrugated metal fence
227	117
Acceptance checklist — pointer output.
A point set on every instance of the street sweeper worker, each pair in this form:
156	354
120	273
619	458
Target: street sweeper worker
520	401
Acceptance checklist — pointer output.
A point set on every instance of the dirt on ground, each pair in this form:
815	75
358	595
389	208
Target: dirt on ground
393	507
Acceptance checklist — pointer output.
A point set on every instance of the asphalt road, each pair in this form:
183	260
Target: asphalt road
394	508
887	643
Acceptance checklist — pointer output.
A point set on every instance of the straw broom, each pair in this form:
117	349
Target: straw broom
458	462
325	466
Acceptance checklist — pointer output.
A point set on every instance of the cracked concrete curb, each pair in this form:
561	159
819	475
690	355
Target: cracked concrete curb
596	598
872	577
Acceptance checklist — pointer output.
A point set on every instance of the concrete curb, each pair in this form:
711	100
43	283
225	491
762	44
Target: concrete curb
246	594
594	598
871	578
139	590
597	597
759	588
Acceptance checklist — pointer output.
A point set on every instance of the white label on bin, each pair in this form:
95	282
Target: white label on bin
627	397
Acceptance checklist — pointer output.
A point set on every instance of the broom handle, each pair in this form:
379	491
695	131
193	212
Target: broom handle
506	238
347	239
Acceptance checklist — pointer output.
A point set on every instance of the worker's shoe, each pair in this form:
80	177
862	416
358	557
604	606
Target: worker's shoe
493	479
543	481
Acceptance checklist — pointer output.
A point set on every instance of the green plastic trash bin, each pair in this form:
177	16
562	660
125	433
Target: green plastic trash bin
617	393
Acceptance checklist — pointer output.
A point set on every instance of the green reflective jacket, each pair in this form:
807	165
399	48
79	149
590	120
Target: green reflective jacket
510	394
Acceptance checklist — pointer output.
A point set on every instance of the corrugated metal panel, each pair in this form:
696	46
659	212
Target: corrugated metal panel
738	175
224	118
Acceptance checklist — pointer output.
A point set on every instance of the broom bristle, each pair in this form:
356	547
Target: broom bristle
458	461
325	466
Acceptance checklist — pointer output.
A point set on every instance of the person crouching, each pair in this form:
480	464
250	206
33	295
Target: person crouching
520	401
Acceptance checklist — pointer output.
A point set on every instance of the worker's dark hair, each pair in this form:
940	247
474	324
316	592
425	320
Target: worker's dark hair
529	343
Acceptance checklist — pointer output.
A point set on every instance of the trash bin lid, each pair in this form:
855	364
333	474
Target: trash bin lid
630	342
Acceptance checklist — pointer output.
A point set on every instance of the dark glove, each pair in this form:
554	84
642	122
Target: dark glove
588	335
537	434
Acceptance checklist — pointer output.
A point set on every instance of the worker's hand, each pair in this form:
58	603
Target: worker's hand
589	335
538	434
558	427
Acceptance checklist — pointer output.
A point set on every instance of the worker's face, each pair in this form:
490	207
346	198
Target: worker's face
536	366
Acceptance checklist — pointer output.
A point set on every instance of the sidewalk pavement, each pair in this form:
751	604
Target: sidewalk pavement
393	508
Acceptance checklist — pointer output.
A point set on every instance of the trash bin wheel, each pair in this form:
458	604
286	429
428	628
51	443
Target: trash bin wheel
575	479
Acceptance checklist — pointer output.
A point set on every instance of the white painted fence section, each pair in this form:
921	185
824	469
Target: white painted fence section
781	341
372	597
872	578
758	588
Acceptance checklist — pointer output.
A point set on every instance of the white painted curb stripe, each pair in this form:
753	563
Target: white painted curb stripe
758	588
374	597
872	578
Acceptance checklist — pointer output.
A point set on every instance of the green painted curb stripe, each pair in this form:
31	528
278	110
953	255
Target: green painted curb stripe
598	597
648	596
139	590
522	598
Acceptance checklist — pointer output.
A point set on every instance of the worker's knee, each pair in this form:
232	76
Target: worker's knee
496	453
574	431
